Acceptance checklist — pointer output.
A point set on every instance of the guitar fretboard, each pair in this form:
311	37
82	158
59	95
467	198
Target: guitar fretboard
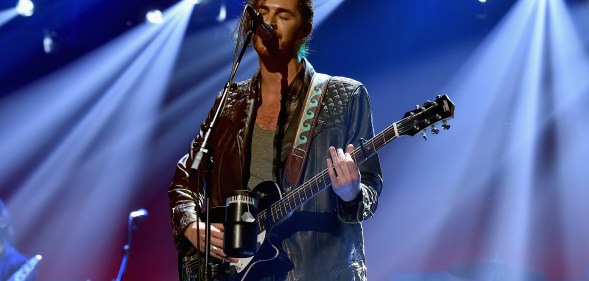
312	187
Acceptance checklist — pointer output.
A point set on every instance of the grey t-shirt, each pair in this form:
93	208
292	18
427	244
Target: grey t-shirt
262	156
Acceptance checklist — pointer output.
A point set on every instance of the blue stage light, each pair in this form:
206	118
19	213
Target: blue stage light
25	8
155	17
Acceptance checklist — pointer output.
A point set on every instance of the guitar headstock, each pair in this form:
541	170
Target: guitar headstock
428	115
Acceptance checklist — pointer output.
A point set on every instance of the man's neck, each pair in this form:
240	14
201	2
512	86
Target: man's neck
276	76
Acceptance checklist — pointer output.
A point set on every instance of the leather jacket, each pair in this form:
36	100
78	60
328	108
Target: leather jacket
323	238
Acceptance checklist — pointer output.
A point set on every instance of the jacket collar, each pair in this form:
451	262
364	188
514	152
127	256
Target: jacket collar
297	89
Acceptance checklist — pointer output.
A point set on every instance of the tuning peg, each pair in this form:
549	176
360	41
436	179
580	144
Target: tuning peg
424	135
435	130
427	103
439	96
417	106
445	125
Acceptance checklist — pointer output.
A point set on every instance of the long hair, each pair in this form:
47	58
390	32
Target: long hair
305	8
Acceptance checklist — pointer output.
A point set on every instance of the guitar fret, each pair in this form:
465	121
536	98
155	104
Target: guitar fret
372	150
354	157
375	142
280	211
283	206
323	180
274	213
292	200
264	220
371	147
312	184
267	223
288	207
260	221
295	200
301	200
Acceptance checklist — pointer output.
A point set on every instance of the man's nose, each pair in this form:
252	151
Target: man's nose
272	23
270	19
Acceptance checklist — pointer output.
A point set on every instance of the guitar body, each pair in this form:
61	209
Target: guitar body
269	193
251	268
269	255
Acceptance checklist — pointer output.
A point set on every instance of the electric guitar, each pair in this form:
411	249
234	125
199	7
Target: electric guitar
275	207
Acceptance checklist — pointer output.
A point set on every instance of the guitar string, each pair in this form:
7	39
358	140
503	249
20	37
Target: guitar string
275	208
403	126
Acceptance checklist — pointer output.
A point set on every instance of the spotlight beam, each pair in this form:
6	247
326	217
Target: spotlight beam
102	150
7	15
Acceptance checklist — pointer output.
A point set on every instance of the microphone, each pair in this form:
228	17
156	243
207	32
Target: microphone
265	31
134	216
141	213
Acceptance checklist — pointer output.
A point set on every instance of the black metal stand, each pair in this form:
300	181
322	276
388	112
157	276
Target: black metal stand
202	151
141	213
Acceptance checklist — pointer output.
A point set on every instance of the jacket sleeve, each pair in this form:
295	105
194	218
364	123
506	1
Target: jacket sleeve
186	190
184	199
360	127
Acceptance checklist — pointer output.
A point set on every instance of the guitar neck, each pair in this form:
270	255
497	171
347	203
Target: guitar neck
413	122
319	182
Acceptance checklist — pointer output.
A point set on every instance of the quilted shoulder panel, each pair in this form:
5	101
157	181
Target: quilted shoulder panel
337	99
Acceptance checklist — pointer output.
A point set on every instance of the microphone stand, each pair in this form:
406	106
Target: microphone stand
203	150
127	248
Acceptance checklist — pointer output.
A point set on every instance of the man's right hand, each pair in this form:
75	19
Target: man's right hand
216	239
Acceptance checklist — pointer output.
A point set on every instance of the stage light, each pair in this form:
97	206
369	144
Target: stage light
50	43
25	8
483	1
155	17
222	16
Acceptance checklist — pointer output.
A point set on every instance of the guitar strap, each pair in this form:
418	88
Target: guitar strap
307	122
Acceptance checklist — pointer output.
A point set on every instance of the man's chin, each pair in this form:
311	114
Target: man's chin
270	53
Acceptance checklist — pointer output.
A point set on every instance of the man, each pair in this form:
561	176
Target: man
322	239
